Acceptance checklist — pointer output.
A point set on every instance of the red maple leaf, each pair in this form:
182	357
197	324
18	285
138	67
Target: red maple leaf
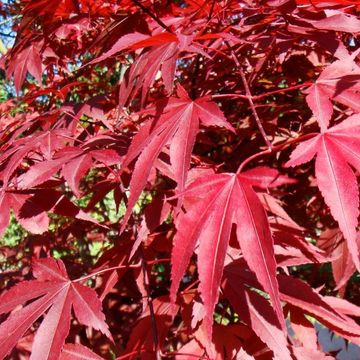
177	126
24	61
216	203
326	309
335	149
164	51
52	292
340	82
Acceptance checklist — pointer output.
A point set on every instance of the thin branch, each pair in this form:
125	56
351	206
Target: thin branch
221	96
279	91
252	157
7	35
190	286
274	149
3	22
217	51
119	267
253	109
250	98
172	354
137	352
153	16
261	96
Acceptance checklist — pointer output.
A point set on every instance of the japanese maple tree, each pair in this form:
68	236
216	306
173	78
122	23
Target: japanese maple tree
179	178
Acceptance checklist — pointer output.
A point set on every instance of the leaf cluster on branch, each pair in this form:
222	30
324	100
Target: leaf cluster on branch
179	179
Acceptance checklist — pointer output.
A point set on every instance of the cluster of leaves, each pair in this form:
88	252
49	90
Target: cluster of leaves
157	164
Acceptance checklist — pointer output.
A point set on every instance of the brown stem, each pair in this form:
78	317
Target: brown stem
250	98
253	109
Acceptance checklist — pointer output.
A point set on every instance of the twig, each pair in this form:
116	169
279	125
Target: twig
171	354
261	96
138	352
153	16
221	96
7	35
119	267
3	22
190	286
274	149
252	157
250	98
279	91
253	109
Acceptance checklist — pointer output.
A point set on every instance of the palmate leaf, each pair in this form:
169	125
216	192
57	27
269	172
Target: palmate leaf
340	82
336	149
55	294
228	342
303	328
333	242
326	3
31	209
242	53
257	312
164	50
38	223
74	162
338	21
26	60
217	202
141	341
178	126
48	142
326	309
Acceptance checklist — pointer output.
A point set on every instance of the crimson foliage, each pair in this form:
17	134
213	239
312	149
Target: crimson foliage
158	156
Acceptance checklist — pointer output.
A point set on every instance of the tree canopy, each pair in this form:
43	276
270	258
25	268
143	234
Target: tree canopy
178	178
